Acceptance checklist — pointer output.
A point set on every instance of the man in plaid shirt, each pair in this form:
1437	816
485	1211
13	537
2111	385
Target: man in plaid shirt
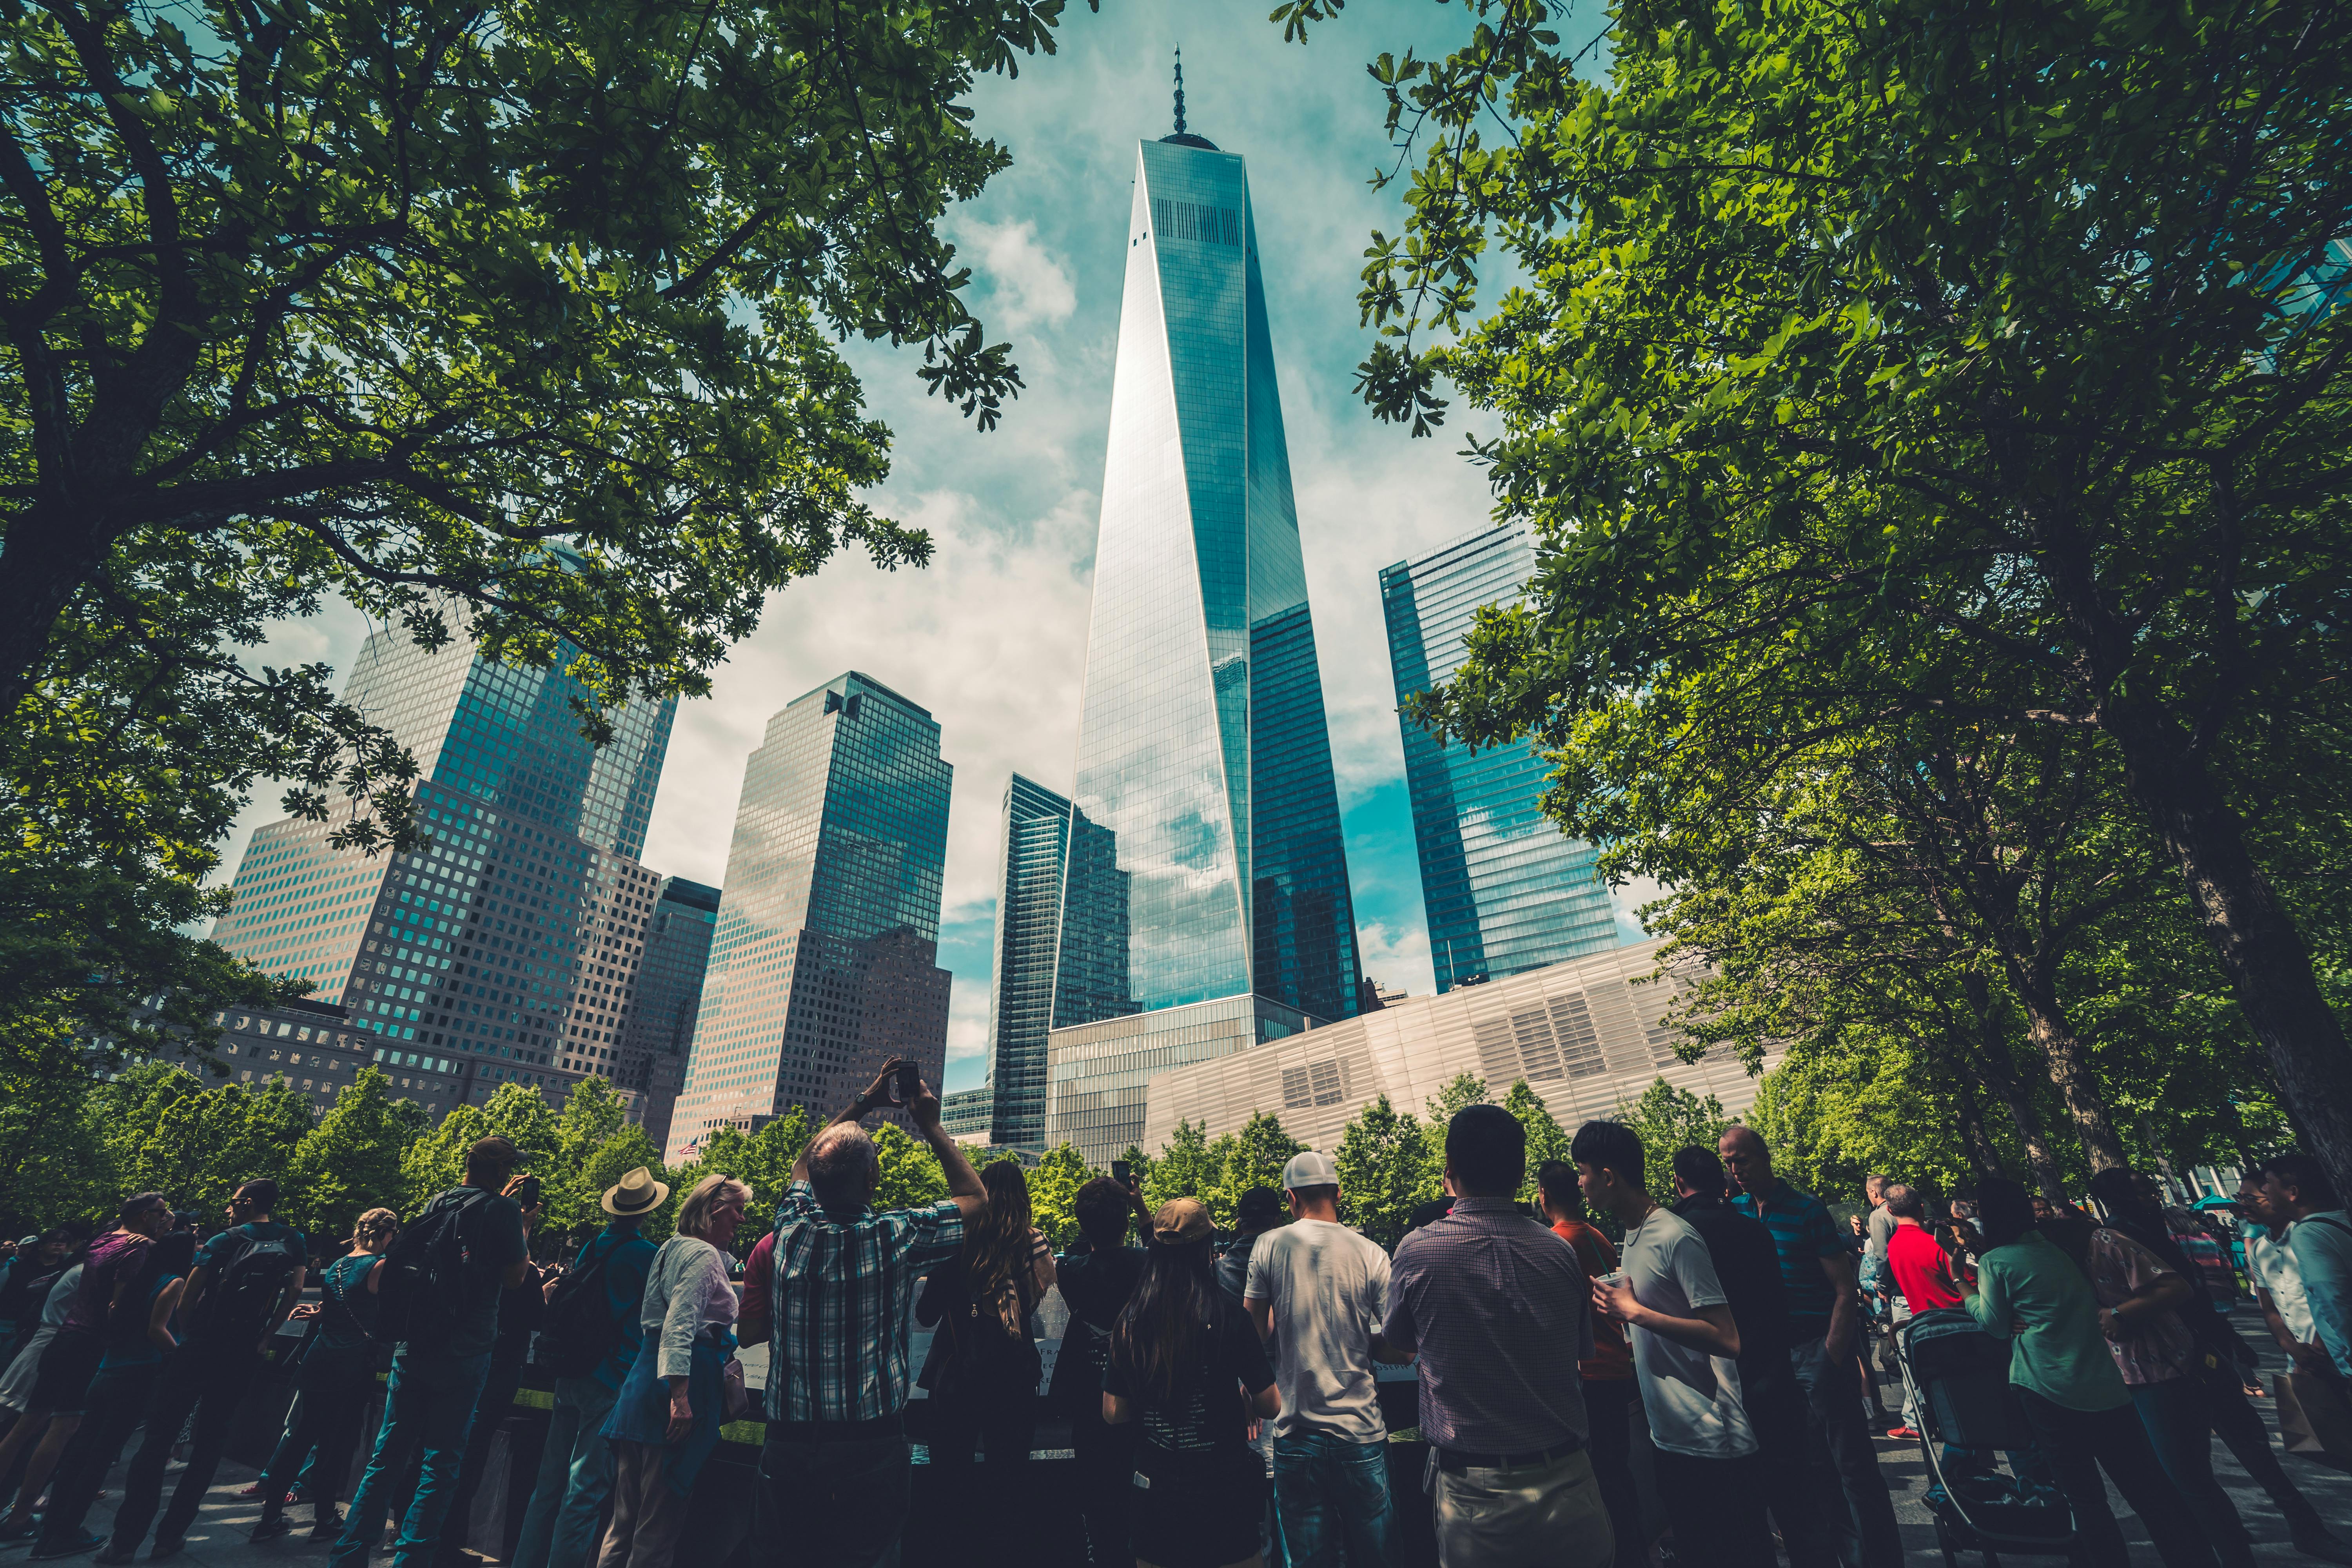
832	1287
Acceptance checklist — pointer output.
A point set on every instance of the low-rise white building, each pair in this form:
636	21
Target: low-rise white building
1587	1035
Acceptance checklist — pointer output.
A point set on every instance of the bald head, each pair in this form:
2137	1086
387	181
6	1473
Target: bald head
843	1167
1744	1156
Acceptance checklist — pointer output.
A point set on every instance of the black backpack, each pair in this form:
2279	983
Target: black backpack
579	1330
425	1291
237	1308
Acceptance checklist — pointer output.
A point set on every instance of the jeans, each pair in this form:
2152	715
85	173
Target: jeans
1845	1458
1717	1509
576	1477
2174	1413
1901	1310
1805	1502
118	1397
1609	1407
326	1430
210	1383
2242	1429
840	1498
1329	1488
2079	1444
491	1408
428	1406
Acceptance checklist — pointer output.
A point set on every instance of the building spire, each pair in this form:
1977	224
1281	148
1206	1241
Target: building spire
1179	89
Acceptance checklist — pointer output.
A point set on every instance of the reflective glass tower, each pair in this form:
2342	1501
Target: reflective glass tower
1505	891
1020	990
507	947
824	960
658	1037
1206	862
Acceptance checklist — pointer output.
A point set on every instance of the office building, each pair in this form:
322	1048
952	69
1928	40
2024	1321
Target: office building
968	1114
824	962
1588	1035
1505	890
1036	830
657	1031
1206	902
507	945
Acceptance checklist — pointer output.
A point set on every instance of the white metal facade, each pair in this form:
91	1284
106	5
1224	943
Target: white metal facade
1585	1034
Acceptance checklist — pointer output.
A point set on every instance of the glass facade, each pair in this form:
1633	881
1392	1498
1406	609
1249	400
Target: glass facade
823	956
1205	860
1020	990
507	947
658	1037
1505	891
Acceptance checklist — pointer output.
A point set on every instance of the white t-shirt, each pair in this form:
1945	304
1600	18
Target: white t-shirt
1329	1290
1691	1398
2273	1269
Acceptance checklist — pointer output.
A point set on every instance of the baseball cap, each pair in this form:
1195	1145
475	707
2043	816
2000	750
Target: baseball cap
1258	1205
1182	1220
1309	1168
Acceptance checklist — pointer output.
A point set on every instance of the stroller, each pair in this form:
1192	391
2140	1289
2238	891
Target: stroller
1958	1379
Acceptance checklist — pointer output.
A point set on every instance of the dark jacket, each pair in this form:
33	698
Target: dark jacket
1748	1266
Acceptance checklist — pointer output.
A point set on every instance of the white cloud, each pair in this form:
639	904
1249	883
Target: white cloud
1027	286
1397	956
968	1021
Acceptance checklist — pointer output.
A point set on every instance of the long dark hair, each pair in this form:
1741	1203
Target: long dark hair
1158	1338
2004	1211
996	1246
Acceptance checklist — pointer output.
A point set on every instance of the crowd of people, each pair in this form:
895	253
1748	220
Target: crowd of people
1224	1400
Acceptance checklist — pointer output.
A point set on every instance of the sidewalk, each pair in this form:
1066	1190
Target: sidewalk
218	1539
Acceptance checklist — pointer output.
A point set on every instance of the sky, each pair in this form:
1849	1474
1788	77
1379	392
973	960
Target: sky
992	635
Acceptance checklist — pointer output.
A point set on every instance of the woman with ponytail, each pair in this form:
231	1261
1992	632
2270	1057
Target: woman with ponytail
983	1367
333	1380
1186	1364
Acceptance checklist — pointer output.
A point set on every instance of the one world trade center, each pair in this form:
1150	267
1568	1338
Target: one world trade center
1205	903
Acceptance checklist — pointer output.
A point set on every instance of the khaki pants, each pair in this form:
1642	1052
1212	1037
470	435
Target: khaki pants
1544	1516
647	1517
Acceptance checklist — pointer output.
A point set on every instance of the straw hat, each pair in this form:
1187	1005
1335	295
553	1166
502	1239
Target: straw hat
635	1194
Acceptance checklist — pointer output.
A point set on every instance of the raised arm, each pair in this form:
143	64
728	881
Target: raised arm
1712	1329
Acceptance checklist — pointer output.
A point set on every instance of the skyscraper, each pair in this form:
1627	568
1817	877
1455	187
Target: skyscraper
1020	987
1506	893
1206	870
505	948
658	1038
824	960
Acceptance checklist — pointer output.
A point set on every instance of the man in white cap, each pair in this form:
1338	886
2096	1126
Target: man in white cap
590	1338
1317	1292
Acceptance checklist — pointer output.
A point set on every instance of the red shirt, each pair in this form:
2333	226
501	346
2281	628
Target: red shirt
758	1274
1921	1271
1612	1357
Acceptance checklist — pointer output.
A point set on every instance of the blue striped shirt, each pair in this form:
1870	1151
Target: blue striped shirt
1804	1234
837	1344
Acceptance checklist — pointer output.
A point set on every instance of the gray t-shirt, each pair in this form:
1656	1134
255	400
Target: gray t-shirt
1882	1226
1329	1290
1691	1398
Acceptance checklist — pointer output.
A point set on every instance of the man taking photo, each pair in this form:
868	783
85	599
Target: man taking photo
835	1468
1317	1292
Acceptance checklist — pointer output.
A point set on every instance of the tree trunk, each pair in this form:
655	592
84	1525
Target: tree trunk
2070	1066
1984	1155
44	562
2256	941
1992	1059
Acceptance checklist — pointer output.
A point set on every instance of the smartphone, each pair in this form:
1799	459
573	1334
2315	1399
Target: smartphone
909	1085
1120	1172
527	1194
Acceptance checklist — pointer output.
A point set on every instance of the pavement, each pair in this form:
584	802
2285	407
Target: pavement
218	1539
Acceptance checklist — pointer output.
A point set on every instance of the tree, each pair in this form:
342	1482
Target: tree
436	1162
1547	1139
1054	1194
351	1162
1186	1166
1667	1118
1383	1172
512	326
1253	1157
1936	362
1465	1089
910	1176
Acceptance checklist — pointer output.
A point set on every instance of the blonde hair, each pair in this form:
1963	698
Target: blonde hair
708	1194
371	1223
